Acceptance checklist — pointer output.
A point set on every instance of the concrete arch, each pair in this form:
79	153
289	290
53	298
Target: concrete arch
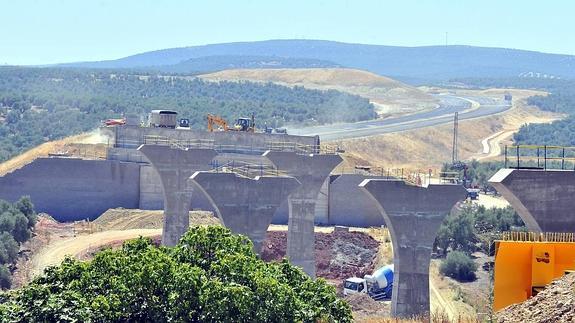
175	166
413	215
244	205
542	198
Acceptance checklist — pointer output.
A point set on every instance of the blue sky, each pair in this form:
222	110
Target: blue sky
52	31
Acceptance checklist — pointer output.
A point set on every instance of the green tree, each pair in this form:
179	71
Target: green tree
21	231
211	275
25	206
5	279
8	248
458	265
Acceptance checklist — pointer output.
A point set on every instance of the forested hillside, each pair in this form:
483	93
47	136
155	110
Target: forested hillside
413	63
224	62
38	105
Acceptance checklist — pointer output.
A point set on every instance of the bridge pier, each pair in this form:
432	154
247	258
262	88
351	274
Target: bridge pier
311	171
413	215
244	205
175	166
544	199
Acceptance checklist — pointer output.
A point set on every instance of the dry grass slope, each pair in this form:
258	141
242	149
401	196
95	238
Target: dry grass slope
388	95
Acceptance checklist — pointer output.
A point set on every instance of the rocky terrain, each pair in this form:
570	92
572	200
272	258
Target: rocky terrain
554	304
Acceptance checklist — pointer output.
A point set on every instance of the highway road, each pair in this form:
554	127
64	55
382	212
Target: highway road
469	107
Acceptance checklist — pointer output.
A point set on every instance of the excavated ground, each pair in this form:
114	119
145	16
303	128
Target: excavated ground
554	304
339	254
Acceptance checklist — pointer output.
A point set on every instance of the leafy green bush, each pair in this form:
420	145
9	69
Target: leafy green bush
458	265
211	275
5	279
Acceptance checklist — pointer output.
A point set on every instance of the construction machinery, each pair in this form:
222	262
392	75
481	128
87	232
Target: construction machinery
115	122
163	119
241	124
378	286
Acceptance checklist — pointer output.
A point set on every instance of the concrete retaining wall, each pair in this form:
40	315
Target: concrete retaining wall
133	137
74	189
349	205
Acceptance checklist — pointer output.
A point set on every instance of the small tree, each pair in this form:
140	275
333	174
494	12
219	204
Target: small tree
458	265
5	277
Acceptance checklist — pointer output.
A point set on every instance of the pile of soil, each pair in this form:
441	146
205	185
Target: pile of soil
339	254
554	304
366	308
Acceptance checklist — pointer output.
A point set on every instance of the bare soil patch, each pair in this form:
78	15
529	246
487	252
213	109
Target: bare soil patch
389	96
339	255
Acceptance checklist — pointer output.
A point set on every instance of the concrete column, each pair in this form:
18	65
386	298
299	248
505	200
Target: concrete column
175	166
542	198
413	215
244	205
311	171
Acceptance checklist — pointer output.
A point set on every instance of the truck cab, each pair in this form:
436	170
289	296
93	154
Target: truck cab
354	285
378	286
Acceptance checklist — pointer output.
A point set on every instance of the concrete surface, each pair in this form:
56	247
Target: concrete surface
349	205
175	166
413	215
311	171
222	141
244	205
544	199
72	189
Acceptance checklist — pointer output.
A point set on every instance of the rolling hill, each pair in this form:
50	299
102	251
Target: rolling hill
428	62
388	95
224	62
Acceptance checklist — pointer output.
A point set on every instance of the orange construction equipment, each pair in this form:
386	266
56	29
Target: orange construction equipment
217	120
525	262
242	124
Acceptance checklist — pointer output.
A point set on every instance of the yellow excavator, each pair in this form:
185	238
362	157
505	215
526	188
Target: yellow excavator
242	124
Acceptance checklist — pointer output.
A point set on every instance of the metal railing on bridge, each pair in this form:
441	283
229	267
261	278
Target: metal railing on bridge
231	148
539	157
246	169
411	176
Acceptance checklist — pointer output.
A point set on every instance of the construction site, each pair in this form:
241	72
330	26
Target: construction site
293	198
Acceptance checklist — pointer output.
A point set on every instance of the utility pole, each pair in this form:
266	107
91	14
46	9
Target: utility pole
454	156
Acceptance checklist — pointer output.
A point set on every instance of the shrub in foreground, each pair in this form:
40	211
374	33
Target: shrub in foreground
458	265
211	275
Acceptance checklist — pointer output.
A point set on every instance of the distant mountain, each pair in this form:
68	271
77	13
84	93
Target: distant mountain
226	62
429	62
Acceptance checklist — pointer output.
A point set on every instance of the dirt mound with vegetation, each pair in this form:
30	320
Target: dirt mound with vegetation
554	304
127	219
388	95
339	254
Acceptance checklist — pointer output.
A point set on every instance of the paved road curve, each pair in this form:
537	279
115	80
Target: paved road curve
443	114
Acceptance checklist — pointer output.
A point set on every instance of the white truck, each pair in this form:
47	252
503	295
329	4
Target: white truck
378	286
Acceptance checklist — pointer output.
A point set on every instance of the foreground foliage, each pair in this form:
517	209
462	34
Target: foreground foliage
211	275
458	265
16	223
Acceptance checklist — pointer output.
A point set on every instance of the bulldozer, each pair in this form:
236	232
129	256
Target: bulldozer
241	124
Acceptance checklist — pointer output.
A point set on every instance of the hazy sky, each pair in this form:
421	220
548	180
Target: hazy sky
51	31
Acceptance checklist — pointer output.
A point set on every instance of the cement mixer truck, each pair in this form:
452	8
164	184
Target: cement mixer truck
378	286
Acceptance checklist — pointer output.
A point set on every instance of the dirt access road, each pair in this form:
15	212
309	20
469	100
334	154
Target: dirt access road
54	253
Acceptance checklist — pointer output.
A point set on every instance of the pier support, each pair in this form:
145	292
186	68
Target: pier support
413	215
175	166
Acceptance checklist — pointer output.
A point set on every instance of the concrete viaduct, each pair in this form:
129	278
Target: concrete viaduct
247	204
544	199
